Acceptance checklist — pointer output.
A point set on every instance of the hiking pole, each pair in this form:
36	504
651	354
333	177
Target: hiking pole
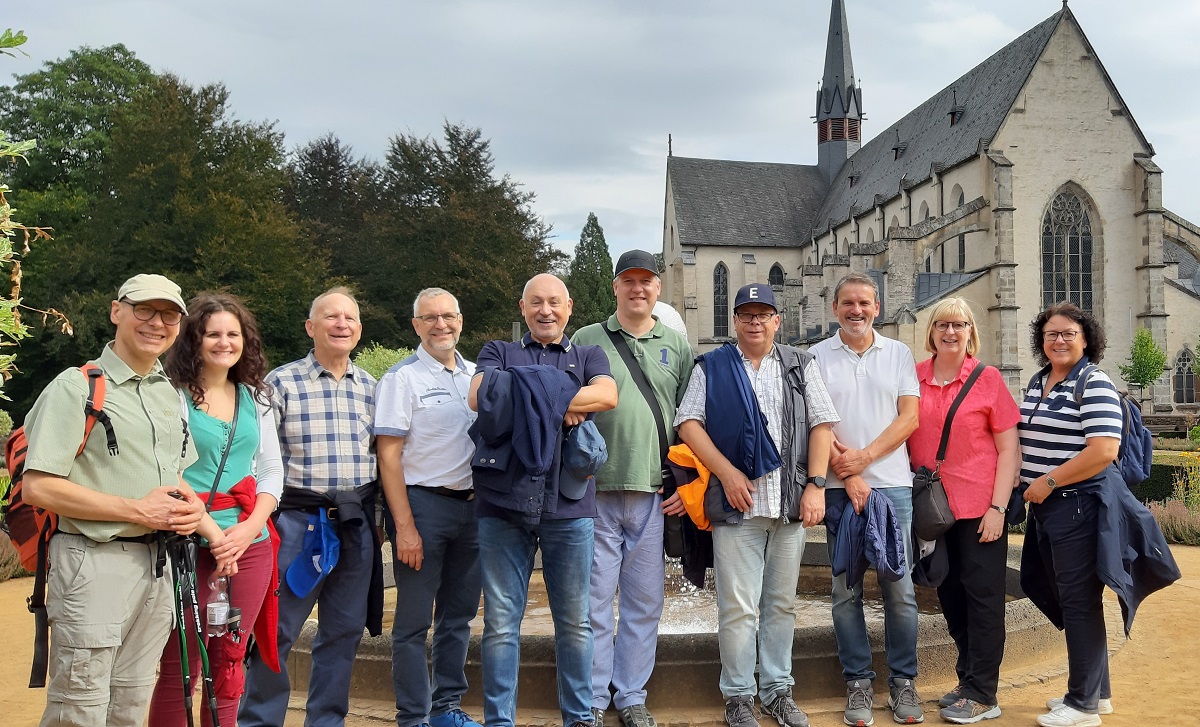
181	577
188	550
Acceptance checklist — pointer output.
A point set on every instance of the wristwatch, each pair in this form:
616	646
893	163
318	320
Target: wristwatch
818	481
1050	482
999	509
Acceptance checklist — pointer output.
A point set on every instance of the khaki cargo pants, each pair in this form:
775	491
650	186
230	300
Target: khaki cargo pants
110	618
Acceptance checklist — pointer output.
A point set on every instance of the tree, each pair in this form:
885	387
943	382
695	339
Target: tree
590	278
447	220
1146	360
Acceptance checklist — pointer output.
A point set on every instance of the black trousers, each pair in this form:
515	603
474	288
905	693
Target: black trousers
972	598
1067	535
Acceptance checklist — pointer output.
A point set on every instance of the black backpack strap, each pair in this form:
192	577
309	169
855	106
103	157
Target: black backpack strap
37	606
95	379
958	400
643	384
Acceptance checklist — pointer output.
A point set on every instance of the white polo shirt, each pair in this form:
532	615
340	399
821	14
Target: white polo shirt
865	390
426	403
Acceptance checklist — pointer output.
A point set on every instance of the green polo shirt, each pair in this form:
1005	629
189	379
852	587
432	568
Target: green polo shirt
146	416
629	431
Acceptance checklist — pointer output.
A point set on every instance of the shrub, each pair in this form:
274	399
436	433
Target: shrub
1178	444
377	359
1180	525
1167	465
6	424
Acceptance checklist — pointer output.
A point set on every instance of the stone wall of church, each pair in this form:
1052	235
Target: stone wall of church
1068	129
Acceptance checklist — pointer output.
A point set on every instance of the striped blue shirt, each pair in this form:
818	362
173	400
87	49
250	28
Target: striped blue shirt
1054	429
325	425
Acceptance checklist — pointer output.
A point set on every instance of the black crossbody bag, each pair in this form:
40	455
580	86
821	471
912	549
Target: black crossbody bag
932	516
672	525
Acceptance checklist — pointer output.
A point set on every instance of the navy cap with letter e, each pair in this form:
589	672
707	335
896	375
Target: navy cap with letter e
755	293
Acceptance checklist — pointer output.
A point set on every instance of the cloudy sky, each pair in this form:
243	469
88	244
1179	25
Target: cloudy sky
578	98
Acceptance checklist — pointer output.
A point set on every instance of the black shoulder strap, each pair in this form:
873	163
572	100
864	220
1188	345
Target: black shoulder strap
958	400
643	384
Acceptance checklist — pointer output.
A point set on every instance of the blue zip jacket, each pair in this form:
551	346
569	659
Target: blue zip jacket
1132	557
870	538
518	438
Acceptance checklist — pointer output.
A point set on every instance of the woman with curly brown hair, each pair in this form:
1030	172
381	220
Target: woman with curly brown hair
1066	446
217	363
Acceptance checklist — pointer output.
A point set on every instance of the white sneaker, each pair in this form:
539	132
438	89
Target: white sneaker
1065	716
1104	706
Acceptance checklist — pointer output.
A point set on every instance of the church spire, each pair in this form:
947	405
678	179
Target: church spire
839	100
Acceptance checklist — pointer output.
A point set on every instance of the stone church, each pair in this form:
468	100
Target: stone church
1024	182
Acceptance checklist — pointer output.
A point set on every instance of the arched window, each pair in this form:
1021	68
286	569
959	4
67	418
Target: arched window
924	211
721	301
845	246
1183	382
1067	252
956	193
775	277
962	238
928	264
870	235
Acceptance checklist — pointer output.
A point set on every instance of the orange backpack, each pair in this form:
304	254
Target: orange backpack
30	528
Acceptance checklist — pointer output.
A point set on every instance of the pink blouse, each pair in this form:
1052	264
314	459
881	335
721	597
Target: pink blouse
969	470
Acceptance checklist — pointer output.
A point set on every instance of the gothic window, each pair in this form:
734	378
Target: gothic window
924	213
721	301
1067	253
775	277
1183	382
928	265
962	239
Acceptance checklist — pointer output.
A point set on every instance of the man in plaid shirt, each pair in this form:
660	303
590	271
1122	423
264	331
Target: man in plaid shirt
325	406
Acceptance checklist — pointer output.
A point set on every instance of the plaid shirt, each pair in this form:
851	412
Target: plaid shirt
324	425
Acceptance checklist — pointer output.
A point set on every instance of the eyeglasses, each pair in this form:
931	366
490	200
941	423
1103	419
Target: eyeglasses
445	317
1068	336
146	312
751	317
951	325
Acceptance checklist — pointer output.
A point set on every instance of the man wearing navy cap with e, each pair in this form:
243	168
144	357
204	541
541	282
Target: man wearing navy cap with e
758	416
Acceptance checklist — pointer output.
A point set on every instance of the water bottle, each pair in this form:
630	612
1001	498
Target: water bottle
218	607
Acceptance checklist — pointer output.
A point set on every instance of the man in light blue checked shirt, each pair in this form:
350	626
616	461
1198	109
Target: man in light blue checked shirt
325	406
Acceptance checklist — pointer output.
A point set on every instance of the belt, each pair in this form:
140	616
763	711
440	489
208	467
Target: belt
447	492
147	539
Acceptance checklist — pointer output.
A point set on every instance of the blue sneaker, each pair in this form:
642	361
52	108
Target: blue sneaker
454	718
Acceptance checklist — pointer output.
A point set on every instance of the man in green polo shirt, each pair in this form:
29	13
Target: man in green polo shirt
109	615
629	505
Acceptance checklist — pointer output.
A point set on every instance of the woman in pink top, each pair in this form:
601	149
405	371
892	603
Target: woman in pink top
978	472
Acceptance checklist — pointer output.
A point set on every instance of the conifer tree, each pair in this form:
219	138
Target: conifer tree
590	278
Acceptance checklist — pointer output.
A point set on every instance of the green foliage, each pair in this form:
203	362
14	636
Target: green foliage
590	278
9	39
1177	444
1194	434
156	175
1146	359
433	214
377	359
6	424
1179	517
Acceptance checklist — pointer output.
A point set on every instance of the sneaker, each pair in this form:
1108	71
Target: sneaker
1104	706
454	718
905	703
860	700
968	711
783	708
597	717
1066	716
740	712
951	696
635	715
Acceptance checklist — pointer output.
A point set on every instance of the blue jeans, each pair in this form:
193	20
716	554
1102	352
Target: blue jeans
444	594
342	598
756	564
899	606
628	557
506	553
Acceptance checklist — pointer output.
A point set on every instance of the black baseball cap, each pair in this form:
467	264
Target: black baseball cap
755	293
635	260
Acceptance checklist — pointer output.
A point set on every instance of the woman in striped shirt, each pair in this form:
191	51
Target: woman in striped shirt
1065	447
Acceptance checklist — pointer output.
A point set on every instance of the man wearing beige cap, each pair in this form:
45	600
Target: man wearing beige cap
110	615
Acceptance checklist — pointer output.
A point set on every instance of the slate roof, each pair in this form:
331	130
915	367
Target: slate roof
932	286
751	204
986	93
1188	265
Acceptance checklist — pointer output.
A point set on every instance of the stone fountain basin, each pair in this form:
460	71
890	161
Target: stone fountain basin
688	667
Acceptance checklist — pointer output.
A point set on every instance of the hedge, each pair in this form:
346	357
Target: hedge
1162	478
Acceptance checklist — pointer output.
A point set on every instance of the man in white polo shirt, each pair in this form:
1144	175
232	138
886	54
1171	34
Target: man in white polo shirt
421	422
873	383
